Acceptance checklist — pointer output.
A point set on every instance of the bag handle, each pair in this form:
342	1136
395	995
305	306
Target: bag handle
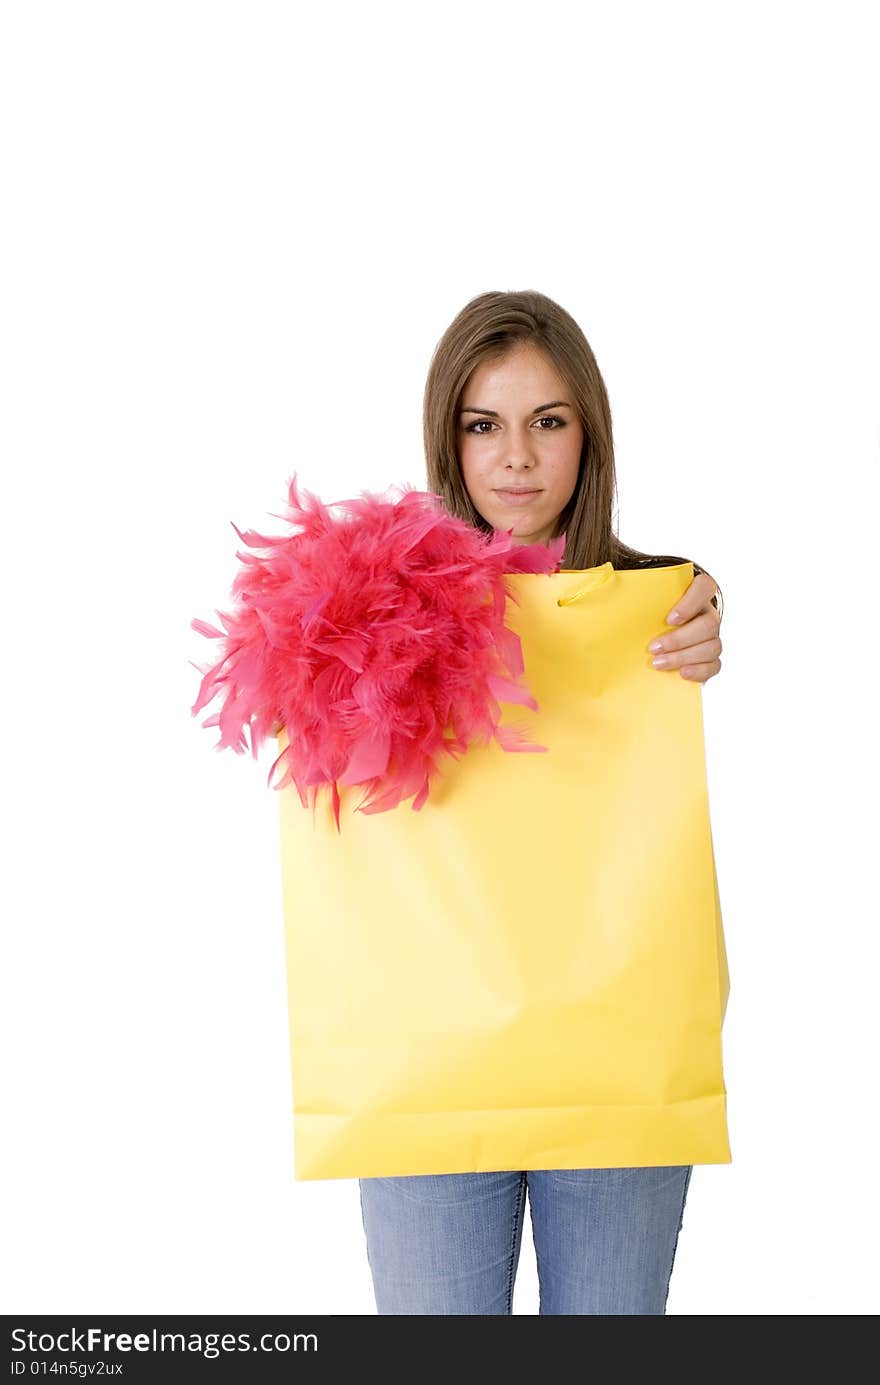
597	577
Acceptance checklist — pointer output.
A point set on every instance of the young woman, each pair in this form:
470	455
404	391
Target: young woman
518	436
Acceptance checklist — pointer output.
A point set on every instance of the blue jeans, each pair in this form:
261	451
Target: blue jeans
449	1243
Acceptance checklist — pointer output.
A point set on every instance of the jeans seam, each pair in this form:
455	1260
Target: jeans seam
364	1222
684	1192
516	1214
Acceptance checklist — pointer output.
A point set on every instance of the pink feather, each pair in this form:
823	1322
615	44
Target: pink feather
376	639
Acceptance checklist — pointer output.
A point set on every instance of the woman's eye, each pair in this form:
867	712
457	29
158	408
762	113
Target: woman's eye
545	418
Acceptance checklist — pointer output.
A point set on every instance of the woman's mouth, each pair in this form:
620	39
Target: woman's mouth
515	496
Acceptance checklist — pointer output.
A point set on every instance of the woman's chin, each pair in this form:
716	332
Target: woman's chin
524	531
524	527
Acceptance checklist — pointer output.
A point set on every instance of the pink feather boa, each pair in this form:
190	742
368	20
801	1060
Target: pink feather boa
376	640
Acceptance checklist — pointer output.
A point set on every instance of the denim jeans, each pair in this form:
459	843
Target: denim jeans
605	1239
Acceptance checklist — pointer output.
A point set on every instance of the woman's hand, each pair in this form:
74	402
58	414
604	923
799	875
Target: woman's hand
694	646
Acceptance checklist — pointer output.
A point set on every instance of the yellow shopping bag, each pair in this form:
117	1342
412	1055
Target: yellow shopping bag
530	971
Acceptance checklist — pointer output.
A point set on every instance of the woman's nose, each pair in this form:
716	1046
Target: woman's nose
519	455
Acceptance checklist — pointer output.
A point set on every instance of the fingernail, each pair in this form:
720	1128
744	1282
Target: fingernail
655	644
673	617
661	661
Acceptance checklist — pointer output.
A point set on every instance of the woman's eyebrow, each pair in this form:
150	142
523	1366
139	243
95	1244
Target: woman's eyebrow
555	404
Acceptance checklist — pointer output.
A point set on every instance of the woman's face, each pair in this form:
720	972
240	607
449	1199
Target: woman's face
518	430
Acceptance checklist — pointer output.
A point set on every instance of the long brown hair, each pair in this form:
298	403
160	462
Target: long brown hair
486	329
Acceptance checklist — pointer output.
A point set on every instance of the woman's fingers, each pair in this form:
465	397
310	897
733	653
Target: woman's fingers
697	598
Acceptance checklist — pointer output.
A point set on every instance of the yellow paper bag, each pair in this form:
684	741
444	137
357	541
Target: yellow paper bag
529	972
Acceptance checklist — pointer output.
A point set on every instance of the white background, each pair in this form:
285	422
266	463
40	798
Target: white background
233	234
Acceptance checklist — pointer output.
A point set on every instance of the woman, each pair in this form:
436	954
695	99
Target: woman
518	436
